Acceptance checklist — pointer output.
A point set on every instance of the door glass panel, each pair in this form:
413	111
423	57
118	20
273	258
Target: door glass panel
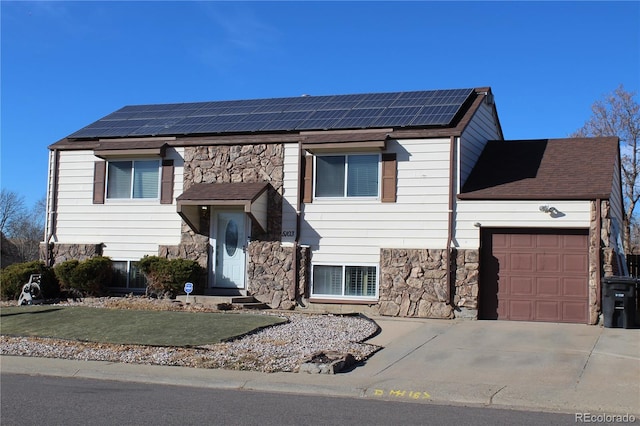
231	238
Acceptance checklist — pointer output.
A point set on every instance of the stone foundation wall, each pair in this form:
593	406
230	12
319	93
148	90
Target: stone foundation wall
467	267
603	258
271	274
241	163
62	252
413	283
304	271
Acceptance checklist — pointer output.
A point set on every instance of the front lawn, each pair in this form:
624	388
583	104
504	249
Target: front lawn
139	327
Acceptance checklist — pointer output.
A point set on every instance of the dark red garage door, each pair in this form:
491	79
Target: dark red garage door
534	275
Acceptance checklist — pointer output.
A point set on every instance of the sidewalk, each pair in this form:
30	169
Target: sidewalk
535	366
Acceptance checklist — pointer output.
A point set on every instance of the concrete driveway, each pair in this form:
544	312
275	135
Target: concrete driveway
545	365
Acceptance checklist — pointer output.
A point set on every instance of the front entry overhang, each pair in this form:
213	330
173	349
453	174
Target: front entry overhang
251	197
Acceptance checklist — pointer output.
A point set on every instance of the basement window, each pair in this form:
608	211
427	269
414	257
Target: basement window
345	281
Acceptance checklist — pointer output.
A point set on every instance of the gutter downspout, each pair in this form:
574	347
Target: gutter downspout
52	201
598	253
452	192
296	269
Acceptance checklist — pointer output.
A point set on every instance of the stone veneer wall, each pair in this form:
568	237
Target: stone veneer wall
62	252
467	267
413	283
604	265
231	164
241	163
271	274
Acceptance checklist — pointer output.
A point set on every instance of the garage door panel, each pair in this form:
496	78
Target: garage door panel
578	242
520	286
575	263
548	241
575	287
542	275
521	241
549	287
521	262
575	312
520	310
548	262
547	310
499	241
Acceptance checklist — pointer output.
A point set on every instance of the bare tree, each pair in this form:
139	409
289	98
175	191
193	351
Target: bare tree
618	114
27	231
22	227
11	207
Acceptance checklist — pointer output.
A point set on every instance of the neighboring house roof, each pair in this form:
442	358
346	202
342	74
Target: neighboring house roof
553	169
431	113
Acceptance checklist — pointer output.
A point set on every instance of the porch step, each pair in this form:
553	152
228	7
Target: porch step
234	302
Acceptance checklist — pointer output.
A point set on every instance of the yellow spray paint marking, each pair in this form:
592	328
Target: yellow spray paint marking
396	393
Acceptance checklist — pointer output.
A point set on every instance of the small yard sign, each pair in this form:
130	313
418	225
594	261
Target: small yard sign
188	288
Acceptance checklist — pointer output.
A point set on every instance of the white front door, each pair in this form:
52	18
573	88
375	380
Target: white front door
230	250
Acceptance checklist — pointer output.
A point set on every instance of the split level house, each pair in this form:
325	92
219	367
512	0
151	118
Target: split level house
404	204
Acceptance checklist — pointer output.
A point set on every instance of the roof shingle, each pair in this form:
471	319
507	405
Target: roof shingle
553	169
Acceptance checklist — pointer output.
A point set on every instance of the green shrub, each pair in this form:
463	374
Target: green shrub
64	272
166	278
92	276
13	277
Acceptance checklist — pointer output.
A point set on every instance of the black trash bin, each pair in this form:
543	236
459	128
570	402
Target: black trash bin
619	302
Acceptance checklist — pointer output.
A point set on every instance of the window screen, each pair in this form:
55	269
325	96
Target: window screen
119	182
330	176
327	280
360	281
347	175
133	179
145	179
362	176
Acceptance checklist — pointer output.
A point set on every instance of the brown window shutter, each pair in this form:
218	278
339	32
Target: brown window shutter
99	178
307	177
166	184
389	175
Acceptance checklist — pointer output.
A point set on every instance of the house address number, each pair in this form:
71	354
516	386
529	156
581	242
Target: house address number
288	233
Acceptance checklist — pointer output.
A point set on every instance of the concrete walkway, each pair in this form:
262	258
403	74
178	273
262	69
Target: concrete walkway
537	366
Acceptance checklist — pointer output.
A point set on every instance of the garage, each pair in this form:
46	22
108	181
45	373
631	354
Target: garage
534	275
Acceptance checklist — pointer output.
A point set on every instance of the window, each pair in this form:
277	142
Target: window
133	179
345	281
347	175
126	275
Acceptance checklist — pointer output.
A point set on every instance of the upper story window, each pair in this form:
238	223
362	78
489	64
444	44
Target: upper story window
133	179
347	175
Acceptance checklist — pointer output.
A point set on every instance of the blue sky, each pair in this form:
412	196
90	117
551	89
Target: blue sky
67	64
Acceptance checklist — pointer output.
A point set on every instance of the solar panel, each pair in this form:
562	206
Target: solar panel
392	109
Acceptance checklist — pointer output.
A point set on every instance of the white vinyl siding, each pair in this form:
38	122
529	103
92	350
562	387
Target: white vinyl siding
129	229
616	196
290	192
482	128
353	230
515	214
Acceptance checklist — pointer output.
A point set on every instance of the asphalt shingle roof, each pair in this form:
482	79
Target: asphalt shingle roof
572	168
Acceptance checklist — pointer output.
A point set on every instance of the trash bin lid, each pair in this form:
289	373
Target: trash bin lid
621	280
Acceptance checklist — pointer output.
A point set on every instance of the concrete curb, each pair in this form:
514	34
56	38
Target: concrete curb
534	398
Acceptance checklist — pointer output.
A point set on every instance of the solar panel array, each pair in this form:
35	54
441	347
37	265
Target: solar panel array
373	110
